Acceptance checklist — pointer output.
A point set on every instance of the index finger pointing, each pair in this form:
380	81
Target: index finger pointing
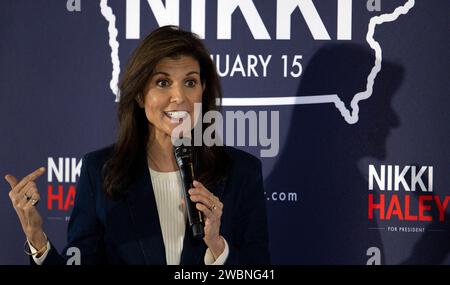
30	177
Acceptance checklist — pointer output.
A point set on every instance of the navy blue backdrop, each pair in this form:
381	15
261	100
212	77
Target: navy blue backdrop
361	175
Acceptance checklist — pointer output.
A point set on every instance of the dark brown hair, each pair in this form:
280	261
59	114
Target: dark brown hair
129	150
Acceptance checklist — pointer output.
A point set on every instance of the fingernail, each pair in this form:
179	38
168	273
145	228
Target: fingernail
42	169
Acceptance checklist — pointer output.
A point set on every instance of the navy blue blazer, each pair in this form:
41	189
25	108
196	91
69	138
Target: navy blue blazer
128	231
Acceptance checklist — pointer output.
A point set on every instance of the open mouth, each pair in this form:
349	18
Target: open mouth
176	115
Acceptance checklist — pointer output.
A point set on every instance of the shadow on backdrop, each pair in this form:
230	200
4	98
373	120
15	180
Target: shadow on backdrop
329	222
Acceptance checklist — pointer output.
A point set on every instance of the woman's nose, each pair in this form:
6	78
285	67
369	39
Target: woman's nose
177	95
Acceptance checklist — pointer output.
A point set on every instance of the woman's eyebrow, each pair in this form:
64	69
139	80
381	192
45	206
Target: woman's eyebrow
167	74
160	72
192	72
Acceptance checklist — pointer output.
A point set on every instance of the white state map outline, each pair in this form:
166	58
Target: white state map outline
350	117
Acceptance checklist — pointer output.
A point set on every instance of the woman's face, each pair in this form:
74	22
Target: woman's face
171	92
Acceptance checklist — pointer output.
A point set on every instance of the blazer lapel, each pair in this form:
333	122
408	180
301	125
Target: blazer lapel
144	213
194	250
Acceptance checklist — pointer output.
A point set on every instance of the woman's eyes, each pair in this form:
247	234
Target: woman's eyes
166	83
191	83
162	83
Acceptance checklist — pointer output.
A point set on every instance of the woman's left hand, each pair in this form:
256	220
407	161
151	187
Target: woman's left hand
212	209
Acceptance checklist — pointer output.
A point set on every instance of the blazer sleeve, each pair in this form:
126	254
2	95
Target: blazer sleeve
85	232
251	246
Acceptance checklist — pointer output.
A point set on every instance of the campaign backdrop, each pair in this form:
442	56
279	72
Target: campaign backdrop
347	103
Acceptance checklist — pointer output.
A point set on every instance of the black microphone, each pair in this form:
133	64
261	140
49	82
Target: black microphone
183	156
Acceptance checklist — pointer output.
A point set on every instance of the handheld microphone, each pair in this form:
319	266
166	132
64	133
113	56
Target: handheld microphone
183	156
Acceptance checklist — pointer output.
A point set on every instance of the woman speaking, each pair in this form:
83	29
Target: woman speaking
129	206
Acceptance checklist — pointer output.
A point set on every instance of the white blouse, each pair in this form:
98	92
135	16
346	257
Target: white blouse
169	192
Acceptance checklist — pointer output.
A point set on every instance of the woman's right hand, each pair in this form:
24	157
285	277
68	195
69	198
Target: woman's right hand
24	196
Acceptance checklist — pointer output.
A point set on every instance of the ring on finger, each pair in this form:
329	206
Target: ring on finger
213	207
